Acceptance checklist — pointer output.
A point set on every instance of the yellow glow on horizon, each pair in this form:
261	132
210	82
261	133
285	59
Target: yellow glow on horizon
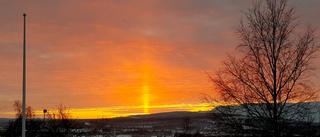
123	111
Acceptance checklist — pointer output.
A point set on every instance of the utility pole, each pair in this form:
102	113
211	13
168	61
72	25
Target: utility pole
24	79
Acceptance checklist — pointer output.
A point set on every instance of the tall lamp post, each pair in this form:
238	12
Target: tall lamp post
24	79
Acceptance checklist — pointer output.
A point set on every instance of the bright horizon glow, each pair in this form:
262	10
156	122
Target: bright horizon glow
112	112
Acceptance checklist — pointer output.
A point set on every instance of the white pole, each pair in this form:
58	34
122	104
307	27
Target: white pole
24	79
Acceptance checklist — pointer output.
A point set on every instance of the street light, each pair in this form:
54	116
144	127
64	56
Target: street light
44	114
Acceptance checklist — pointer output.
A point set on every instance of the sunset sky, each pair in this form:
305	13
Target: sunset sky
107	58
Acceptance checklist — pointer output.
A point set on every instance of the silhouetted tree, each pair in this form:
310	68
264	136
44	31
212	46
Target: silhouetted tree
14	127
18	108
59	122
272	69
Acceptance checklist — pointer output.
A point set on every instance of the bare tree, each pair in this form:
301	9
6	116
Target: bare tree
272	69
18	108
13	129
59	122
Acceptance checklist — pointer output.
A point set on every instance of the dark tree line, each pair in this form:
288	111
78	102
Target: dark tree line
58	123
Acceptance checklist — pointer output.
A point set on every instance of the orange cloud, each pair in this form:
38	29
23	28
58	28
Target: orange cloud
108	54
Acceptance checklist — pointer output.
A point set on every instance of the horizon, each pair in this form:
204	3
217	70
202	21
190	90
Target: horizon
106	112
77	113
80	112
117	58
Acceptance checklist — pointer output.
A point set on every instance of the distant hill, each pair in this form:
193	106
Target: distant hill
314	109
166	115
4	122
162	116
5	119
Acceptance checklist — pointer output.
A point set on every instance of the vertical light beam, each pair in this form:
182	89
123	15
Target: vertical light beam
146	93
24	79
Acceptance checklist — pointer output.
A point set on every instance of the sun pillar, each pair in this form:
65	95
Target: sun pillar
146	90
145	85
